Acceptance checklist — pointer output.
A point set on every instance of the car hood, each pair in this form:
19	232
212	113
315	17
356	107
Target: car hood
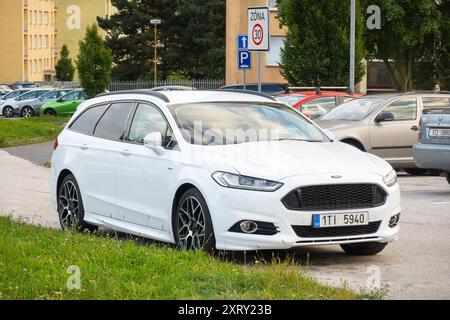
281	159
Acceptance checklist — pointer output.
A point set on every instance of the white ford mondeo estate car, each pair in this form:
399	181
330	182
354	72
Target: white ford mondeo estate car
230	170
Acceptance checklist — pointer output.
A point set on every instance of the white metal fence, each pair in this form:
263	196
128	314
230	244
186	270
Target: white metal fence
130	85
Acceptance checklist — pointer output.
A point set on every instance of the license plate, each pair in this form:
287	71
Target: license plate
440	132
340	219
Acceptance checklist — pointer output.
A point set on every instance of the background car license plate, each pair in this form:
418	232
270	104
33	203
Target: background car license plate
340	219
440	132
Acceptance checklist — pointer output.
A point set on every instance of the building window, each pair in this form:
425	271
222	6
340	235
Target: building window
34	17
40	42
34	66
34	42
274	54
272	4
46	42
40	66
46	17
40	17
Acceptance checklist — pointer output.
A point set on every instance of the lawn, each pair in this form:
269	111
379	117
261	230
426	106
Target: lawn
34	263
30	130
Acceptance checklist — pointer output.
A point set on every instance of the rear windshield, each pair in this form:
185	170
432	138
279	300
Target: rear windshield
354	110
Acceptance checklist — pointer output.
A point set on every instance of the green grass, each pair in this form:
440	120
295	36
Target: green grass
34	262
31	130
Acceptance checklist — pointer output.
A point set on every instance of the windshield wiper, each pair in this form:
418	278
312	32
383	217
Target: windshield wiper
294	139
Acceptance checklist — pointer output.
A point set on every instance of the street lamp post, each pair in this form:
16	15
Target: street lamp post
155	22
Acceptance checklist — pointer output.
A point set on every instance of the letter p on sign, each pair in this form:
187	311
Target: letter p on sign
258	29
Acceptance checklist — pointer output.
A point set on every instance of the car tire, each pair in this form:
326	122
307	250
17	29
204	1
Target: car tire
70	206
50	112
363	249
27	112
191	219
448	178
415	171
8	112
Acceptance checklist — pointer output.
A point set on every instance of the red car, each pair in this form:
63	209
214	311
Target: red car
315	103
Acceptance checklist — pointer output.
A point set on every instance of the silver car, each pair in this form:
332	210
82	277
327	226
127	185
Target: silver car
29	108
14	106
9	98
386	125
432	151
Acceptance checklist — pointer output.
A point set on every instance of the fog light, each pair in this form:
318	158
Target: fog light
394	220
248	226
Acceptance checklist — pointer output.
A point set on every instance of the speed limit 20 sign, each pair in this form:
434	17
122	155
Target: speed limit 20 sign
258	28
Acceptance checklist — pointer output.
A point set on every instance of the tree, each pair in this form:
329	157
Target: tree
407	28
191	38
94	63
443	47
65	69
316	50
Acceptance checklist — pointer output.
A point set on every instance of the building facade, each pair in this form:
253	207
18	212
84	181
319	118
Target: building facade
28	33
33	32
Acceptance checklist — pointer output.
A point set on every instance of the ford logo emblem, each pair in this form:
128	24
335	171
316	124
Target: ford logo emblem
336	177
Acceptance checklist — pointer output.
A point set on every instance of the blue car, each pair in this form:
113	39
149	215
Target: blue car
432	151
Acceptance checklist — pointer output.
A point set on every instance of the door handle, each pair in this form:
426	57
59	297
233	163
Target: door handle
84	147
126	153
414	128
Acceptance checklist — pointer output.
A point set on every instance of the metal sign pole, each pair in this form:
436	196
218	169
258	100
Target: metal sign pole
245	80
259	71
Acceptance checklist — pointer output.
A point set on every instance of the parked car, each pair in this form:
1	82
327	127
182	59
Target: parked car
14	106
65	105
269	88
140	162
173	88
9	98
4	89
23	85
432	151
385	125
29	108
315	103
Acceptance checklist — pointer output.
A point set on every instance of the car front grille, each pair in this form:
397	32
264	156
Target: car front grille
335	197
311	232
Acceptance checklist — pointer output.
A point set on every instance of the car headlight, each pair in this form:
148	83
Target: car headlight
391	178
230	180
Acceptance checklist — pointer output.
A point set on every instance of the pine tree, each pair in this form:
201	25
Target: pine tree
94	63
65	69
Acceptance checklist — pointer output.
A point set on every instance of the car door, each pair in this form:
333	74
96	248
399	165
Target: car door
393	139
66	105
143	177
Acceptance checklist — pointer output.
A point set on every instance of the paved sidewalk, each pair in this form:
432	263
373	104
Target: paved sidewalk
25	191
39	153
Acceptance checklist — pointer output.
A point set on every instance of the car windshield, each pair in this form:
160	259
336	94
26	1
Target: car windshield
290	100
50	95
13	95
32	95
354	110
70	96
234	123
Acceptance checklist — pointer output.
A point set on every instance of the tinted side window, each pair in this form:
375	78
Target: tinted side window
403	109
147	120
112	124
86	122
437	102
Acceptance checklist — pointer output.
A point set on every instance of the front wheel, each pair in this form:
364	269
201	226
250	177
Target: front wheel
50	112
70	206
27	112
363	249
8	112
193	228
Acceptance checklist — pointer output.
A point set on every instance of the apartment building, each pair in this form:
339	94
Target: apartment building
28	33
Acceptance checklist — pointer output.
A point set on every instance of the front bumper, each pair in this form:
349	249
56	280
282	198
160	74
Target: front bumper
226	210
432	156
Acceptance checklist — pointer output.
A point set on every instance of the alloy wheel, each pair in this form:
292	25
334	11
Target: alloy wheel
191	225
27	112
8	112
68	205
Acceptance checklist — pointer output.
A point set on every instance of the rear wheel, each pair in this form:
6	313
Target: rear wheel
50	112
192	223
8	112
27	112
70	206
363	249
415	171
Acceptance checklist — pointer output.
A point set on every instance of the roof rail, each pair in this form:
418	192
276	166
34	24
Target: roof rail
255	93
425	92
155	94
319	89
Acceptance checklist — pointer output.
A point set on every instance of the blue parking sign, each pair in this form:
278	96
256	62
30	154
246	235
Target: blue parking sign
244	60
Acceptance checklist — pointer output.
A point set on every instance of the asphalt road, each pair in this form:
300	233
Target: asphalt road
415	267
38	154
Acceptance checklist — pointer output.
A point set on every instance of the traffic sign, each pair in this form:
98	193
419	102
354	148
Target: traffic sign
244	60
242	40
258	28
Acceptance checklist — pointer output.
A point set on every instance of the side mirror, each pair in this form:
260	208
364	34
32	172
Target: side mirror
153	141
329	134
385	116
